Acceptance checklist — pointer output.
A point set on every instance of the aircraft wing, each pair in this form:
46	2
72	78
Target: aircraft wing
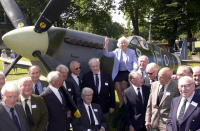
19	64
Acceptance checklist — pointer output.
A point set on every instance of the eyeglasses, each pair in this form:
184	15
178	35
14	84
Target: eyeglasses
150	73
77	68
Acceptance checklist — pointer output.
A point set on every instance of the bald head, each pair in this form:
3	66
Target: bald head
196	75
164	75
152	70
75	68
34	73
184	70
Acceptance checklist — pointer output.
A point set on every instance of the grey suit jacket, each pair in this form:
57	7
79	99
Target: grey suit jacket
156	113
7	124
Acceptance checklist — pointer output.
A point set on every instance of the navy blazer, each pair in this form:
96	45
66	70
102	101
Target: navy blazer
83	123
57	112
135	111
131	62
106	97
191	119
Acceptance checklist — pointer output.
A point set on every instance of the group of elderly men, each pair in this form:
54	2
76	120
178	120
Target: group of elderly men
36	105
156	100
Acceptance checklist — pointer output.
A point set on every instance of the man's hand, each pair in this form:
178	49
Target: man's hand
106	43
148	125
111	110
131	128
69	114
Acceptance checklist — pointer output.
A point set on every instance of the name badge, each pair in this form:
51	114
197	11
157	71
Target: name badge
34	106
95	110
106	84
194	103
167	93
69	89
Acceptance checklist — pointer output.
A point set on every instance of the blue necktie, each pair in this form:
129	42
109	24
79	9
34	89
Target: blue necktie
14	117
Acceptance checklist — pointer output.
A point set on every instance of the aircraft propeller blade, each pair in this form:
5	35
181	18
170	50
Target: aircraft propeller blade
39	56
12	64
14	13
51	13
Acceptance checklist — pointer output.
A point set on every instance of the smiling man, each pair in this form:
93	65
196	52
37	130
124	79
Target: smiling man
185	109
34	106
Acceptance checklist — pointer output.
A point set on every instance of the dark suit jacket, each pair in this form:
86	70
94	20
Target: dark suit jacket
191	119
106	97
135	110
77	89
39	113
7	124
83	123
57	112
71	90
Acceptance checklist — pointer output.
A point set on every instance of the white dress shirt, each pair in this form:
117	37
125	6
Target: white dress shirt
55	91
28	102
75	77
136	90
87	109
182	102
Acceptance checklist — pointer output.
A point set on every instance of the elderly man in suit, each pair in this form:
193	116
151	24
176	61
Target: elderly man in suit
75	79
135	98
92	116
2	81
67	86
185	110
56	103
196	77
160	98
102	85
38	85
12	114
33	105
142	64
152	73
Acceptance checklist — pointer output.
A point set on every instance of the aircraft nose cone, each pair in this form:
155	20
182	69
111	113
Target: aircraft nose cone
25	41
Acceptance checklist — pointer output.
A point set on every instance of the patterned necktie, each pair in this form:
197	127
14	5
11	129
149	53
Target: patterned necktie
91	116
181	114
160	95
14	117
28	113
36	90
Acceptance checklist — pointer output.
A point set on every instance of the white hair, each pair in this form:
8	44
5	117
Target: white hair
61	66
86	89
9	87
93	60
22	80
185	78
53	77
